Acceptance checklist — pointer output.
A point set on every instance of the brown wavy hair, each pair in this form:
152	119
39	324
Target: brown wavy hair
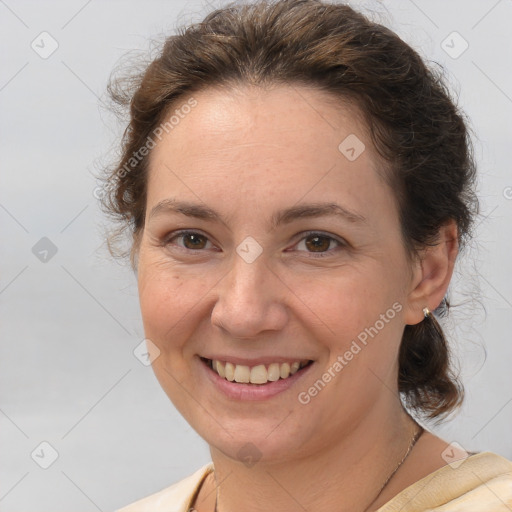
414	124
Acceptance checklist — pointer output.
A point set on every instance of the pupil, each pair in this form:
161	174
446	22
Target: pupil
194	241
318	243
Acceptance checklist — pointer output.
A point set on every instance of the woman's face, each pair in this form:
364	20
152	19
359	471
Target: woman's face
292	253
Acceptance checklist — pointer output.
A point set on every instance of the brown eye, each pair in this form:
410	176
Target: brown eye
189	240
317	243
194	241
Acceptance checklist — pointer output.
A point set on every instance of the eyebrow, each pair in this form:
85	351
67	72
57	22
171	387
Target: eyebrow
285	216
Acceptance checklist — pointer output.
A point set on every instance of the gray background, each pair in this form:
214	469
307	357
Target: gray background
70	324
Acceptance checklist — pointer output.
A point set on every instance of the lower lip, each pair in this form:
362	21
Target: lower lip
253	392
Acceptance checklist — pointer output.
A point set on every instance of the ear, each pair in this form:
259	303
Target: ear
432	274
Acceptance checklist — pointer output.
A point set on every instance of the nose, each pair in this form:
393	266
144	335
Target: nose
250	300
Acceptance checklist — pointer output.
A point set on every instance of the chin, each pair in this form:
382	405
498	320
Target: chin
250	441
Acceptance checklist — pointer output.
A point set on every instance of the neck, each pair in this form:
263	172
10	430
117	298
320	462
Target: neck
346	474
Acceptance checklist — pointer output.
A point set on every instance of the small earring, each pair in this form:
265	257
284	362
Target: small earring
426	312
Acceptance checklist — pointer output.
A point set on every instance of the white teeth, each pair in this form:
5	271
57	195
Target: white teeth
259	374
242	373
273	372
294	367
284	370
230	371
220	369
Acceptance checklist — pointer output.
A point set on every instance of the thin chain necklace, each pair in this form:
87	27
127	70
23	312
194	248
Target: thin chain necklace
414	439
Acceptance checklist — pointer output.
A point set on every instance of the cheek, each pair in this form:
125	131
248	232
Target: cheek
157	295
166	301
343	300
354	313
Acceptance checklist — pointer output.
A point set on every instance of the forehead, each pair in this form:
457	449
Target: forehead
285	139
295	114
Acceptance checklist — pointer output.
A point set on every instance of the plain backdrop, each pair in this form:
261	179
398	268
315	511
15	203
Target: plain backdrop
69	315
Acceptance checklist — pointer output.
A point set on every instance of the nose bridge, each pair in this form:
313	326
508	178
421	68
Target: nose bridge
251	281
249	300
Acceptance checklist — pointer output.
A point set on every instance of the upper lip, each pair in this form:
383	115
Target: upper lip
255	361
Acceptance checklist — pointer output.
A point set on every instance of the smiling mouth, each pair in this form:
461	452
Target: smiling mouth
259	374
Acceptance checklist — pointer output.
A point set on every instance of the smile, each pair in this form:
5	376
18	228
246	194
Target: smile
259	374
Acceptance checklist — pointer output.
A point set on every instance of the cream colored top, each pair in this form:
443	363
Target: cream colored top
482	483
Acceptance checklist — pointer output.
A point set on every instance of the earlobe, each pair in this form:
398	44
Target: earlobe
433	274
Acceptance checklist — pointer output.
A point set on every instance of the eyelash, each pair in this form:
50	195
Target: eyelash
305	235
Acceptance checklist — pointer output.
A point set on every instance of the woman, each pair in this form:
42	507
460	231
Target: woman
298	185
